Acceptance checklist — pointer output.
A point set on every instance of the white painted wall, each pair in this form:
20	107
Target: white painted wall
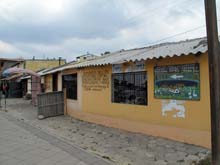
76	104
29	86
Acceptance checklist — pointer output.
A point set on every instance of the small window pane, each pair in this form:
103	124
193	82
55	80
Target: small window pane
118	88
141	88
129	88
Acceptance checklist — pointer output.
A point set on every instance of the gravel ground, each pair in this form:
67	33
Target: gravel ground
120	147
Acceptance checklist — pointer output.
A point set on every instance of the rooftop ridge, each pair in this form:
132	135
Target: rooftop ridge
164	43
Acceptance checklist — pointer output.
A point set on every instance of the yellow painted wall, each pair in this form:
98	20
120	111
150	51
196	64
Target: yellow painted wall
96	106
197	112
48	83
37	65
47	80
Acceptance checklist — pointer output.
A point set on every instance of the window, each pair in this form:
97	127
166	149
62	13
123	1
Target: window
129	88
70	83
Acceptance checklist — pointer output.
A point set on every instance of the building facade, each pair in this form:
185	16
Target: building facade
161	90
39	64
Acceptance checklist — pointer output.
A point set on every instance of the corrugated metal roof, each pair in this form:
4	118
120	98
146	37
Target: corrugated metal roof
58	68
12	59
39	72
187	47
163	50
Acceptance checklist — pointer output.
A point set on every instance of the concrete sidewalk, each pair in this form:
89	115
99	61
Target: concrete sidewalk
22	144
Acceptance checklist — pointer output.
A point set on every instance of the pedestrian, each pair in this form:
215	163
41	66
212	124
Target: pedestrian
5	89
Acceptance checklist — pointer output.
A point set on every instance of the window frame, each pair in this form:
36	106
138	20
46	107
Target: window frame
75	95
123	74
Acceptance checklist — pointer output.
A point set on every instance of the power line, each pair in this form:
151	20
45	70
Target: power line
153	11
178	34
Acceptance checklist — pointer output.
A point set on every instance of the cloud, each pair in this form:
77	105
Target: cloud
68	28
5	48
8	50
94	19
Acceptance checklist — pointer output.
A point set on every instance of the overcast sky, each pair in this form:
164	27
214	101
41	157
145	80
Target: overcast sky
69	28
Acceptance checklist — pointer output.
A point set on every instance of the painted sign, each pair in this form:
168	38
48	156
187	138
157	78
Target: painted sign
181	82
96	80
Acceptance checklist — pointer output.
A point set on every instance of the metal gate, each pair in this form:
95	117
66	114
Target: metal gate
50	104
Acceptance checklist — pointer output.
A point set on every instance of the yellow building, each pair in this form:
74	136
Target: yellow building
161	90
52	78
39	64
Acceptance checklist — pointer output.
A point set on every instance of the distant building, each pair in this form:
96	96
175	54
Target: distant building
39	64
20	88
14	87
86	57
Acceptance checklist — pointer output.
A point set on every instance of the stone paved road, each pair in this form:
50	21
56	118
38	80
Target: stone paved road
118	146
22	144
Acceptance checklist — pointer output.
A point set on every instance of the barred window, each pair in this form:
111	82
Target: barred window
70	83
129	88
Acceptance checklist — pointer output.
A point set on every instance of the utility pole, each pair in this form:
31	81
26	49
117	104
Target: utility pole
214	77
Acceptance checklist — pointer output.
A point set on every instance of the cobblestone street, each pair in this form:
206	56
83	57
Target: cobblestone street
116	146
22	144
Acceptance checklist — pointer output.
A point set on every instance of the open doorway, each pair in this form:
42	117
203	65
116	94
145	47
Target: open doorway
55	82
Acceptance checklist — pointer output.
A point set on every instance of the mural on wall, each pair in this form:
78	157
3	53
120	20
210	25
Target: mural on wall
95	80
174	107
181	82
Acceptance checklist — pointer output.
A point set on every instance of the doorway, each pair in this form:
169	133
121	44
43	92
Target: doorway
55	82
